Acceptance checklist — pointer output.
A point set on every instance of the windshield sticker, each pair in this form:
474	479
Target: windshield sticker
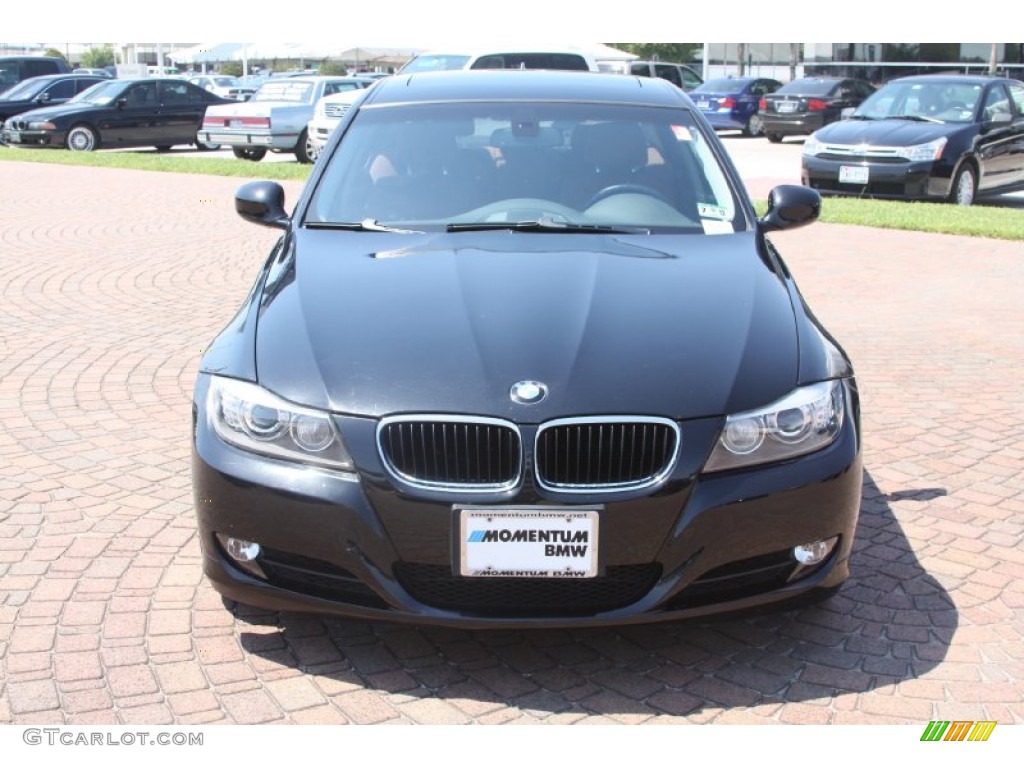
682	133
713	227
710	211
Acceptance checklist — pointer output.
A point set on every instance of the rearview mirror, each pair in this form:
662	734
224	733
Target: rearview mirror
790	206
262	202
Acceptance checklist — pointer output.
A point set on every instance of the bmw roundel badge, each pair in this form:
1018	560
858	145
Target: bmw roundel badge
528	392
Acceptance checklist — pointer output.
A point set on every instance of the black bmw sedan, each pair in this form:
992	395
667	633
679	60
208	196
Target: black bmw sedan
931	137
151	112
524	356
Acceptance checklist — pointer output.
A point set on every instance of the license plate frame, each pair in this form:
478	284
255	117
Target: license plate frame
528	542
787	107
854	174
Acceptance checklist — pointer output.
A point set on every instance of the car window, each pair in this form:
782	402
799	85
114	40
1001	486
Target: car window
944	101
332	88
436	63
720	85
644	70
285	90
590	165
84	83
1017	94
62	89
997	102
142	95
808	87
668	72
36	68
690	79
25	90
562	61
174	93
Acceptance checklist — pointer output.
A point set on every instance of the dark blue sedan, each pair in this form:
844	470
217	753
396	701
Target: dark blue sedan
732	102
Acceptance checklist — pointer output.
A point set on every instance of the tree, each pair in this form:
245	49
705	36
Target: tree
231	68
55	53
681	52
99	57
332	67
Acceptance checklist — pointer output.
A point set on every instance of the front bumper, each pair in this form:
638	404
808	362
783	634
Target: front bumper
319	131
367	548
904	180
32	139
249	139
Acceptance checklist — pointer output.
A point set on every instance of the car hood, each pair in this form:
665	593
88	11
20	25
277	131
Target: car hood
56	112
374	324
886	133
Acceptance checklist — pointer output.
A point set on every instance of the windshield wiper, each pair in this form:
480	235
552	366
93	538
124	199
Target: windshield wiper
861	117
366	225
918	118
547	225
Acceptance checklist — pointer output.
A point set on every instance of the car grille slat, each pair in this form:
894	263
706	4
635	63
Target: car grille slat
607	453
451	452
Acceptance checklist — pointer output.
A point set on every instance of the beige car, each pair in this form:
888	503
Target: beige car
326	116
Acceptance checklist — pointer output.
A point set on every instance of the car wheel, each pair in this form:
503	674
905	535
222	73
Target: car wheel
775	138
965	186
164	148
81	138
755	126
304	151
203	146
250	153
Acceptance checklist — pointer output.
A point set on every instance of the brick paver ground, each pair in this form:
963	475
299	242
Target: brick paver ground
113	281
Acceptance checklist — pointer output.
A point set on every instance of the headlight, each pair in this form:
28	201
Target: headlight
251	418
812	146
805	420
42	127
920	152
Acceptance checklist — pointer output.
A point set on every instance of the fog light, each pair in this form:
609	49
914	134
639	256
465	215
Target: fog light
815	552
239	549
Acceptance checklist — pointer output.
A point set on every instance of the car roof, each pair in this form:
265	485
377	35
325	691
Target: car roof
526	85
954	78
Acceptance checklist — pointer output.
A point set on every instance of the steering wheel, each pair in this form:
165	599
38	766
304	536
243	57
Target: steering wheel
625	189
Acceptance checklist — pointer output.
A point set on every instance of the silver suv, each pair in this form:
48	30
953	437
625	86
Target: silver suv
677	74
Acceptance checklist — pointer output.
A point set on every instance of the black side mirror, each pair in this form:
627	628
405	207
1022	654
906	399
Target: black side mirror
121	102
43	98
262	202
790	206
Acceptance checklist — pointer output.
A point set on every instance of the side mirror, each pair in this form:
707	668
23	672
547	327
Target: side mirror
121	102
262	202
847	113
790	206
43	98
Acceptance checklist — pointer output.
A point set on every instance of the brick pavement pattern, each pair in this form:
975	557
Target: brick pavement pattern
112	283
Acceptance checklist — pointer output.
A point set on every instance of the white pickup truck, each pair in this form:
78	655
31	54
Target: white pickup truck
275	117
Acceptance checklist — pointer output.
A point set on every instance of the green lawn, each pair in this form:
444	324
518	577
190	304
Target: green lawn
1004	223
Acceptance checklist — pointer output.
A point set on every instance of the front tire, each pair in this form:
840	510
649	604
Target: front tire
250	153
755	126
965	186
82	138
304	151
775	138
203	146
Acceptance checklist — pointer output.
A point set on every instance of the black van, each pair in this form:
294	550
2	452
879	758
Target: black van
14	69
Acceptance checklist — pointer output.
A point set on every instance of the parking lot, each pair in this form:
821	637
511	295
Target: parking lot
105	618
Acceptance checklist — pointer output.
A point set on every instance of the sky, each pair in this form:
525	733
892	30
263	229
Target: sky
415	23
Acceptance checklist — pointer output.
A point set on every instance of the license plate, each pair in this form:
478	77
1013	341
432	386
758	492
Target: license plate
218	138
704	105
787	106
548	543
853	174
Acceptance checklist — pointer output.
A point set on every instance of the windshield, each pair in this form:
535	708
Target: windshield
299	92
224	82
947	102
25	90
808	87
101	93
435	63
494	164
722	85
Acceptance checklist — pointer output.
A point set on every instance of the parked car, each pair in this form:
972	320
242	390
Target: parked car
804	105
117	113
224	86
92	71
938	137
46	90
734	102
275	117
679	75
525	359
519	57
326	116
14	69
